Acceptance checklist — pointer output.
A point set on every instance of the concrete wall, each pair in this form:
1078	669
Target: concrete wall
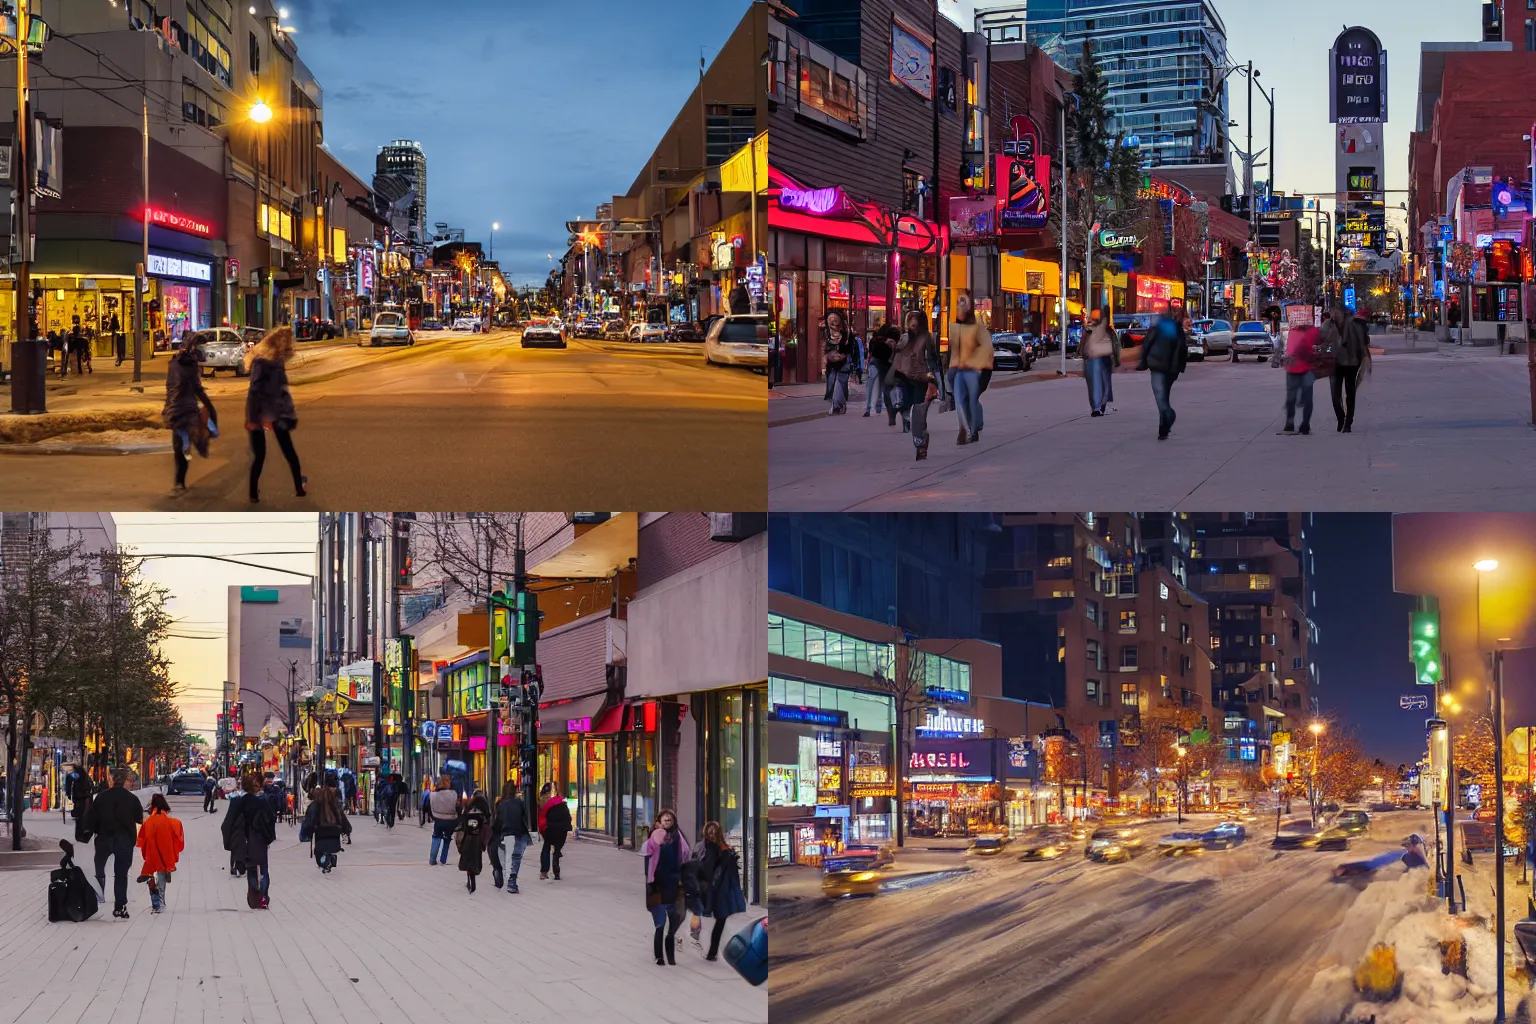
259	653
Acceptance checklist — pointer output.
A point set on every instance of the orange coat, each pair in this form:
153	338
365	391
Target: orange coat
161	840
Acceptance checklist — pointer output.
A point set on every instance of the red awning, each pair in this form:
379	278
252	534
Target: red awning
609	720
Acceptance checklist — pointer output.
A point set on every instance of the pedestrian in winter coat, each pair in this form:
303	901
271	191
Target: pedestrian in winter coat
250	827
510	823
839	349
210	791
443	805
1101	354
114	819
161	842
909	366
970	355
1301	365
186	402
721	868
475	826
269	405
1164	353
1351	345
325	823
666	851
119	339
554	826
879	352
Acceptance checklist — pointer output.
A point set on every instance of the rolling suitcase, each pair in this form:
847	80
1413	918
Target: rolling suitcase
747	951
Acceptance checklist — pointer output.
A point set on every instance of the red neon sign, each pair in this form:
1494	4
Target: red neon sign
1154	289
853	221
178	222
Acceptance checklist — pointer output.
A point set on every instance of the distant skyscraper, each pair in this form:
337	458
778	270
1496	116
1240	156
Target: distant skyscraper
1163	59
407	161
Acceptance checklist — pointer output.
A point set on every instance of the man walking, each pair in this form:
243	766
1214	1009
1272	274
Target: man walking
114	818
510	822
210	787
1164	353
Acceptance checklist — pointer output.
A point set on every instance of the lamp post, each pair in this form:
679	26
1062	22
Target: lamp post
495	227
1482	566
1183	781
1316	729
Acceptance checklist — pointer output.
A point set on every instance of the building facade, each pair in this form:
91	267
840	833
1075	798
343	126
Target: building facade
405	160
271	661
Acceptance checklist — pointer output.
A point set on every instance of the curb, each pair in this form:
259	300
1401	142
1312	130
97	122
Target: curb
83	449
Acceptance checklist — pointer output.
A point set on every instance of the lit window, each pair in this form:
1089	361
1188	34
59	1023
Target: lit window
1060	562
1258	581
1163	623
1162	589
1128	695
1128	621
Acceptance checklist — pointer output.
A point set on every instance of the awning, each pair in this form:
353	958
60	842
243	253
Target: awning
599	552
1270	712
558	716
610	721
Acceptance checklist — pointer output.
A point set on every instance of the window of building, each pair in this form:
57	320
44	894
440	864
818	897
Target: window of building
831	91
1128	659
1290	682
1162	623
1295	663
1091	609
726	130
1162	681
255	55
1095	656
1530	31
1162	591
1215	643
1184	665
1128	621
911	188
1060	562
1095	692
806	642
1063	593
202	41
1128	695
1183	632
199	107
1258	581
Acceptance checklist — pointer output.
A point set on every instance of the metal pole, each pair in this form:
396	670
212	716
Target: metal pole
23	194
1253	235
1498	815
1450	803
492	667
1062	316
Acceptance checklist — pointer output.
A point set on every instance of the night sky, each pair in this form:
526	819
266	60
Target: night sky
531	113
1362	656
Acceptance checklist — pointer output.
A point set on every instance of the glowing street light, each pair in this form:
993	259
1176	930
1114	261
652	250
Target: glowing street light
261	113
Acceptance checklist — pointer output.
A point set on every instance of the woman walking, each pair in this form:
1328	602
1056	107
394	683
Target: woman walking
970	353
666	851
475	826
879	369
269	405
841	353
554	826
443	805
1101	354
909	367
325	823
721	870
186	400
256	822
161	842
1301	367
1349	340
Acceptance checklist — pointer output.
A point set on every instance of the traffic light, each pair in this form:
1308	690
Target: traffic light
525	639
1424	645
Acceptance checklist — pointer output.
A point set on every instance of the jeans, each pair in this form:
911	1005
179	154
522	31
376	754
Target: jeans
1298	390
937	372
1162	389
968	399
1345	379
837	382
259	456
442	838
389	814
549	854
1097	370
875	397
120	847
209	800
664	913
514	855
251	875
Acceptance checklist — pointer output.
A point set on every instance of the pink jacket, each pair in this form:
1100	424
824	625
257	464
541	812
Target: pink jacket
1301	350
652	850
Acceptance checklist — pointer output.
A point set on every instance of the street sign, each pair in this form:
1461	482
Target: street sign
1414	702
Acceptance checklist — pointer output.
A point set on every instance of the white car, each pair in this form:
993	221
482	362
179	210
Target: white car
739	340
1217	336
544	332
467	323
391	329
1252	338
647	332
222	348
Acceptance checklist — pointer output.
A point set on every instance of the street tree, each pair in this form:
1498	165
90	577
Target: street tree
905	681
468	554
1472	743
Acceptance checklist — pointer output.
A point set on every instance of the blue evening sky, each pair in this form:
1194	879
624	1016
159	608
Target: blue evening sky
531	112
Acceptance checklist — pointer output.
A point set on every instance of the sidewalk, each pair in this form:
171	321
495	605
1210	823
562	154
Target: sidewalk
383	938
805	402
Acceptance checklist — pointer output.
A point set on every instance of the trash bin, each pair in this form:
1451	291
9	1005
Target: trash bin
29	376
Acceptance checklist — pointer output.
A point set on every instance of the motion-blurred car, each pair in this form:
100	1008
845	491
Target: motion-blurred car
987	846
647	332
1043	844
1297	834
1252	338
431	324
1114	843
1177	844
849	876
185	782
221	348
1133	327
1334	838
540	332
390	329
467	323
883	854
686	333
1224	836
589	327
614	330
740	339
1009	353
314	328
1354	823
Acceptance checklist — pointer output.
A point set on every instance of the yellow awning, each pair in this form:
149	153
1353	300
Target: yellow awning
600	551
736	174
1024	275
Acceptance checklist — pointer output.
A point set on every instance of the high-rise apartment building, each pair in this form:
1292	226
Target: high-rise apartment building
1164	61
407	161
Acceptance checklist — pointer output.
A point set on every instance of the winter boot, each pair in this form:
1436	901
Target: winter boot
497	880
512	884
659	961
121	910
671	943
543	874
964	437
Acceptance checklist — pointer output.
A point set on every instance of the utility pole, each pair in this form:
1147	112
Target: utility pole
141	278
1062	372
23	194
1253	231
1498	817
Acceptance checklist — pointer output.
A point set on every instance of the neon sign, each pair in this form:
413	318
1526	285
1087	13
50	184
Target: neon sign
816	201
939	759
1109	239
1154	289
178	221
1157	189
946	724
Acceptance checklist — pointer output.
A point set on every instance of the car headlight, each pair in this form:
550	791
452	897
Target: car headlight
862	876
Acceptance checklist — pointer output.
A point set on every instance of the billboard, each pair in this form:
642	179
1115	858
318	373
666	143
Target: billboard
1023	179
972	220
1357	82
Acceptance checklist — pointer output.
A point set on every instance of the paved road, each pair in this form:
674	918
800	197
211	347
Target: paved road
384	939
1225	936
465	420
1435	430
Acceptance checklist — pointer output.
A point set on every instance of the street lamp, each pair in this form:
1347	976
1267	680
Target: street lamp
495	227
1316	729
1482	566
1179	798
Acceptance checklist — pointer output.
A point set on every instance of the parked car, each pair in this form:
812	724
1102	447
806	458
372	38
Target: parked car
1009	352
686	333
541	332
313	328
589	327
740	339
390	328
432	324
251	335
1217	337
222	348
1297	834
1044	844
849	876
614	330
185	782
467	323
1224	836
1252	338
647	332
1133	328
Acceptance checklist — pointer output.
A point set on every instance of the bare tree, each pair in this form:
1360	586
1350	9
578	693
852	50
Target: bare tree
906	683
467	553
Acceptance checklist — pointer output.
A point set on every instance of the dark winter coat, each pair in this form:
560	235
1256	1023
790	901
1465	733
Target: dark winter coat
557	819
476	825
184	393
511	818
722	870
249	827
1354	343
115	812
268	401
327	836
1166	349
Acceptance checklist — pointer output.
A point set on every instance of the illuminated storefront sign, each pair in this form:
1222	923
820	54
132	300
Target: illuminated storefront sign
1115	240
808	716
938	759
1023	180
940	723
578	725
1157	290
178	222
1157	189
818	201
162	265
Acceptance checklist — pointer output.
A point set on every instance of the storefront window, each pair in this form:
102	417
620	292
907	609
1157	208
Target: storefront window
572	777
594	806
727	756
638	802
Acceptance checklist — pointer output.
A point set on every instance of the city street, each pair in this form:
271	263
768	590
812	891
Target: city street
1436	426
472	419
1212	938
383	938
